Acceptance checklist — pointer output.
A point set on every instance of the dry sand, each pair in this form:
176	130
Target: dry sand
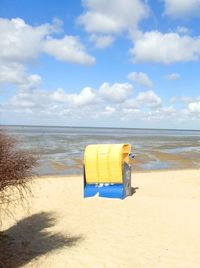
159	226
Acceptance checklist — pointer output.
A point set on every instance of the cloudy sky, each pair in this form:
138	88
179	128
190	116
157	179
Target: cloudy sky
122	63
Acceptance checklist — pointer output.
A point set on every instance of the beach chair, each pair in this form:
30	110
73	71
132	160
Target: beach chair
107	170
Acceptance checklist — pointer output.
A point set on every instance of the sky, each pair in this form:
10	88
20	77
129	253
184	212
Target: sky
122	63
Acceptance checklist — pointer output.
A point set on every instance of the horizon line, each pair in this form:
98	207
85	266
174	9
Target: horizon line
137	128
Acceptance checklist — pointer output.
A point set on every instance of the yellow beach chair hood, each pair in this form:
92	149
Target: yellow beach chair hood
104	162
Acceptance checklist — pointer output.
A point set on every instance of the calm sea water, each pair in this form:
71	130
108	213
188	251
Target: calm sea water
60	149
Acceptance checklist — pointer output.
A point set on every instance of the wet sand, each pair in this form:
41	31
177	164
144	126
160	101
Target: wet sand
166	160
154	160
159	226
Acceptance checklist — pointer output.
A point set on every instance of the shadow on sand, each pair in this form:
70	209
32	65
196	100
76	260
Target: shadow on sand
29	239
134	190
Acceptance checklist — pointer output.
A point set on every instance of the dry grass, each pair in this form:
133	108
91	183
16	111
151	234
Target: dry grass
16	171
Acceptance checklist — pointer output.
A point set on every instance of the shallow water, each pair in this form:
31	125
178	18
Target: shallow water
60	149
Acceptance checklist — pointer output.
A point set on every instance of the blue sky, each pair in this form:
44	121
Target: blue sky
129	63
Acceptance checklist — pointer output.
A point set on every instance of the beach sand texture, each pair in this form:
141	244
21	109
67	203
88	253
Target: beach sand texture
159	226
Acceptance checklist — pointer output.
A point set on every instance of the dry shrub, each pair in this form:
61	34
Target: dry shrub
16	170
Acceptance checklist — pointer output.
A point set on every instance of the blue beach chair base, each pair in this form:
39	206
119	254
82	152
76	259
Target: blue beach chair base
115	190
109	191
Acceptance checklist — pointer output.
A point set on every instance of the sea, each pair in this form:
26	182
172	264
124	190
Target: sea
60	150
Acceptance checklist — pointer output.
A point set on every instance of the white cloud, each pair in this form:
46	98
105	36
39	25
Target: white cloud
172	76
103	19
68	49
89	105
31	96
149	98
21	43
102	16
182	30
102	41
194	107
11	73
109	110
173	100
131	103
15	73
187	99
182	8
165	48
170	110
34	79
116	92
114	100
144	99
140	78
59	95
87	96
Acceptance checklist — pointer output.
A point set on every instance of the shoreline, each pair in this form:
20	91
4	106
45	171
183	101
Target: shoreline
133	172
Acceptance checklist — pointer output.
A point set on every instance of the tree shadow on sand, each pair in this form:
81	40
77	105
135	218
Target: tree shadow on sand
29	239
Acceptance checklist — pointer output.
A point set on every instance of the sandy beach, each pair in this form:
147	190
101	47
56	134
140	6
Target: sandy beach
159	226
